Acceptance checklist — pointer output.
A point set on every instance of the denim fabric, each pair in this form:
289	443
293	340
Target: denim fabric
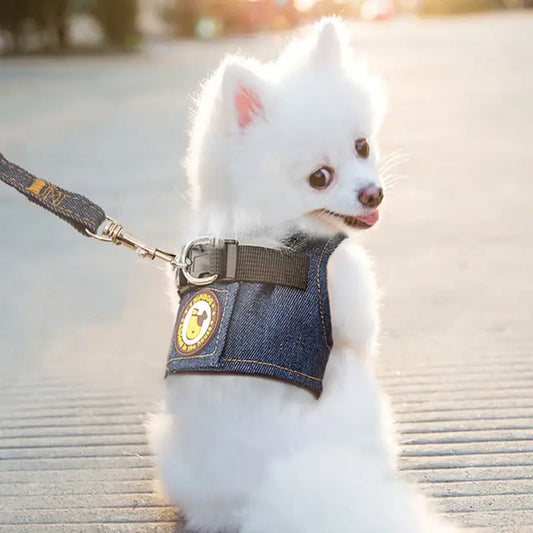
74	208
267	330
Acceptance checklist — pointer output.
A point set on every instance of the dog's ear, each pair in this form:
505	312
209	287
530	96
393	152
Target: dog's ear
242	91
328	44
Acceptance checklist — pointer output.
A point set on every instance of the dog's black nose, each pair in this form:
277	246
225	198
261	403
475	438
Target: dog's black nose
370	196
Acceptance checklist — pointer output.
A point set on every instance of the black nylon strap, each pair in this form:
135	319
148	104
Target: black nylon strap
253	264
75	209
268	265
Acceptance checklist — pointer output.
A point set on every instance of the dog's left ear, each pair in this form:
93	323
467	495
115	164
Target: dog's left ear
329	42
242	94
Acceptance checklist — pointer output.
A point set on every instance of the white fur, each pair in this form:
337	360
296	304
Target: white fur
252	454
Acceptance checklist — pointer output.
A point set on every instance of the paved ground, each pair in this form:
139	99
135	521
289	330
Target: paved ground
84	327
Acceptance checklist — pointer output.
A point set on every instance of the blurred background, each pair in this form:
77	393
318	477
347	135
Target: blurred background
94	95
66	25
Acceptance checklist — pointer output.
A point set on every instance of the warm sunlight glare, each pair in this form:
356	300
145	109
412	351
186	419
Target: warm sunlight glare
304	5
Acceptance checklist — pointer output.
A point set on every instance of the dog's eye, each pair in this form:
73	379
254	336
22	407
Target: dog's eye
321	178
362	148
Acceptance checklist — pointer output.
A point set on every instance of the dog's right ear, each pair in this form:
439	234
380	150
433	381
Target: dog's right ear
242	94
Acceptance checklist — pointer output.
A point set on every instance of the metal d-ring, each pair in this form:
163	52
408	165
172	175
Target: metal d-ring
184	260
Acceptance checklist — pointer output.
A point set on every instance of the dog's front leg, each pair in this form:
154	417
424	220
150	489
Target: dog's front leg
353	300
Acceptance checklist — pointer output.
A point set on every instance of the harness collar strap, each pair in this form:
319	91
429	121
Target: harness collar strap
230	261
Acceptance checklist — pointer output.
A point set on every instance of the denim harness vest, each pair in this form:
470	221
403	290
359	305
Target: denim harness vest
279	328
259	328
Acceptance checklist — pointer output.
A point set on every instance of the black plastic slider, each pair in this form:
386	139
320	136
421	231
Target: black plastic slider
231	259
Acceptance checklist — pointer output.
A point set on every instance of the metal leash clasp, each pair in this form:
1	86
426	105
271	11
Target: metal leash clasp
114	232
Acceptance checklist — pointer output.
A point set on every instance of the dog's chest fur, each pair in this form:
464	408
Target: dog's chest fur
227	428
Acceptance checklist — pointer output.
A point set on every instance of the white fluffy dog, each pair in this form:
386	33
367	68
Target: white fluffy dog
273	147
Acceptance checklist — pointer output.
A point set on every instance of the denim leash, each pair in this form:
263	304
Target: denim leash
201	261
75	209
84	215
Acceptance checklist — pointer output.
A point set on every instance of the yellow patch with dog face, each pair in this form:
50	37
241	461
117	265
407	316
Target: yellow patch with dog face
198	321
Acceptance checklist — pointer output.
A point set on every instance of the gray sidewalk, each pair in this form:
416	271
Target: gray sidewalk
85	327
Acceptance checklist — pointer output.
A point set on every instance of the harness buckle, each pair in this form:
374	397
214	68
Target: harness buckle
199	257
188	269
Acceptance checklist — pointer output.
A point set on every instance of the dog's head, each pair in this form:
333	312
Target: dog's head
277	144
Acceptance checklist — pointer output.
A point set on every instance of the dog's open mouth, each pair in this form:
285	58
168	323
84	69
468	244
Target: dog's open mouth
361	221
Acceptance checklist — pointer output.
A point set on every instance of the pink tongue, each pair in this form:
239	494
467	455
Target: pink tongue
371	219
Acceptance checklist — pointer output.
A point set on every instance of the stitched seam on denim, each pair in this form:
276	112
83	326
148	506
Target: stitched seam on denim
274	365
322	318
185	357
64	209
83	201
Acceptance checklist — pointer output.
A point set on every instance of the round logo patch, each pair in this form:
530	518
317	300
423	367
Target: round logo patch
197	323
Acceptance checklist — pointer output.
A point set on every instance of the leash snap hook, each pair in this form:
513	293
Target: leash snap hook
114	232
